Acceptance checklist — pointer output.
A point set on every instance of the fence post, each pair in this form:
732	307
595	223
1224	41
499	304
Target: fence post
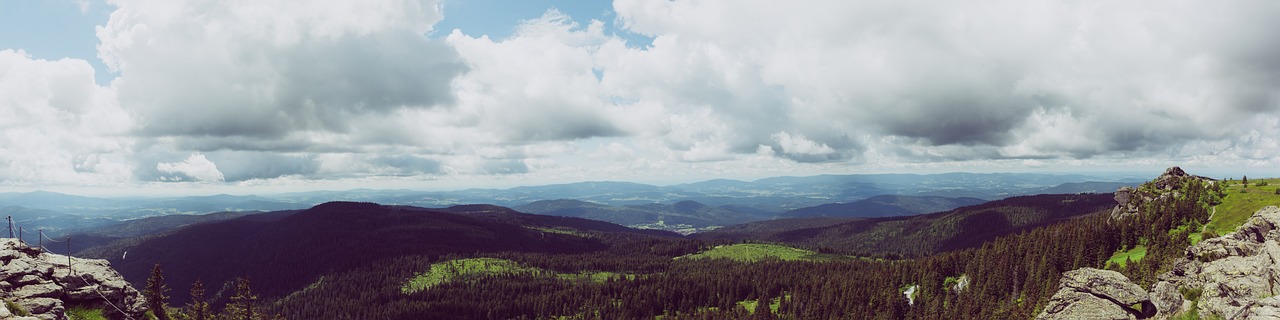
40	238
10	226
69	270
20	236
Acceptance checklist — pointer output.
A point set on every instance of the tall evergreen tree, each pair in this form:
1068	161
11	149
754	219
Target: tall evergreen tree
198	309
155	293
241	306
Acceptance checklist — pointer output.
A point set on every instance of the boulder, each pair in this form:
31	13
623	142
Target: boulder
1089	293
1237	274
44	283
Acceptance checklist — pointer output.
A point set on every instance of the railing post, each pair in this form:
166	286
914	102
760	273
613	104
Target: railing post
10	226
40	239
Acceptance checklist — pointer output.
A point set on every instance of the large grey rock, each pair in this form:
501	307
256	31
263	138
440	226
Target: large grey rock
44	284
1089	293
1166	298
1080	305
1237	274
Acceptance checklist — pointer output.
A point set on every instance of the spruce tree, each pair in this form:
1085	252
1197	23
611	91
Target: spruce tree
241	306
155	293
198	309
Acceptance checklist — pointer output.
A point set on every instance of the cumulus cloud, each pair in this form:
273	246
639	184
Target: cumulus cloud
57	127
299	90
998	79
194	168
265	71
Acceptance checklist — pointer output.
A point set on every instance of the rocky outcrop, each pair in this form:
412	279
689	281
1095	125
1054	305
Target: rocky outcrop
43	284
1235	276
1130	200
1089	293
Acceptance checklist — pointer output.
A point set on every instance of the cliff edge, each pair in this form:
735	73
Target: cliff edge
43	285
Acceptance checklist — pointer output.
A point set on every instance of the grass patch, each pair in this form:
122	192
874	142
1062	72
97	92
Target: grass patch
83	313
1241	202
16	309
1123	258
471	268
559	231
752	252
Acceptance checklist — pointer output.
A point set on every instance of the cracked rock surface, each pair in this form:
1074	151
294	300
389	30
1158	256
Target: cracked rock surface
43	285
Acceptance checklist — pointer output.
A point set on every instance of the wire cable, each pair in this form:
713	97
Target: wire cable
95	290
51	239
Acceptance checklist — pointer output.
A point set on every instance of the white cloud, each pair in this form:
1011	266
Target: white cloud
57	127
273	70
196	167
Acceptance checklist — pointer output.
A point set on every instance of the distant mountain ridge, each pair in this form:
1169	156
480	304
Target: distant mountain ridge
884	206
688	212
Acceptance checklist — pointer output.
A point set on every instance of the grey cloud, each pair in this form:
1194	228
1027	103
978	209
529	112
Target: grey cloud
408	164
266	91
243	165
505	167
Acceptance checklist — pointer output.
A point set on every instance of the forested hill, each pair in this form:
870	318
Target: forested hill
283	254
960	228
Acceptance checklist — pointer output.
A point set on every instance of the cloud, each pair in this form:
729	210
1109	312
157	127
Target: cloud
801	149
302	91
961	81
264	71
194	168
57	127
539	84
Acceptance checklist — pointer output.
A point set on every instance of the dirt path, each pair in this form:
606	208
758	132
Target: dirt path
1206	225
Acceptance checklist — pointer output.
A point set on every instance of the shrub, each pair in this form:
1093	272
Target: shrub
1262	183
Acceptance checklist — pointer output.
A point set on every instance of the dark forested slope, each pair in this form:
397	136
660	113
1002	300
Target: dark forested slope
960	228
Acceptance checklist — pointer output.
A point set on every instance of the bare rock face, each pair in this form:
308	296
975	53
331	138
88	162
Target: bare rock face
44	285
1237	275
1089	293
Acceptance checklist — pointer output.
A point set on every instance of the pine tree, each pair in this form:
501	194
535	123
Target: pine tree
241	306
198	308
155	293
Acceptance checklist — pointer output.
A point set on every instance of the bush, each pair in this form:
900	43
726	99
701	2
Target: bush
1262	183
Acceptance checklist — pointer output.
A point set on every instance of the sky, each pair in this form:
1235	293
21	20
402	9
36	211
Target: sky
199	96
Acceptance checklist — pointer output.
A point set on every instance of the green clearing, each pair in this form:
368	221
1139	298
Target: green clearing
471	268
752	252
750	305
83	313
1123	258
559	231
1241	202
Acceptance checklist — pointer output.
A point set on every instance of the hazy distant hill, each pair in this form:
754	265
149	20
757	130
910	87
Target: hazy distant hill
924	234
55	224
86	238
684	212
301	246
884	206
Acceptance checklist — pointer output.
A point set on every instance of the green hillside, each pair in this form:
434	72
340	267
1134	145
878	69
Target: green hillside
1241	202
752	252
